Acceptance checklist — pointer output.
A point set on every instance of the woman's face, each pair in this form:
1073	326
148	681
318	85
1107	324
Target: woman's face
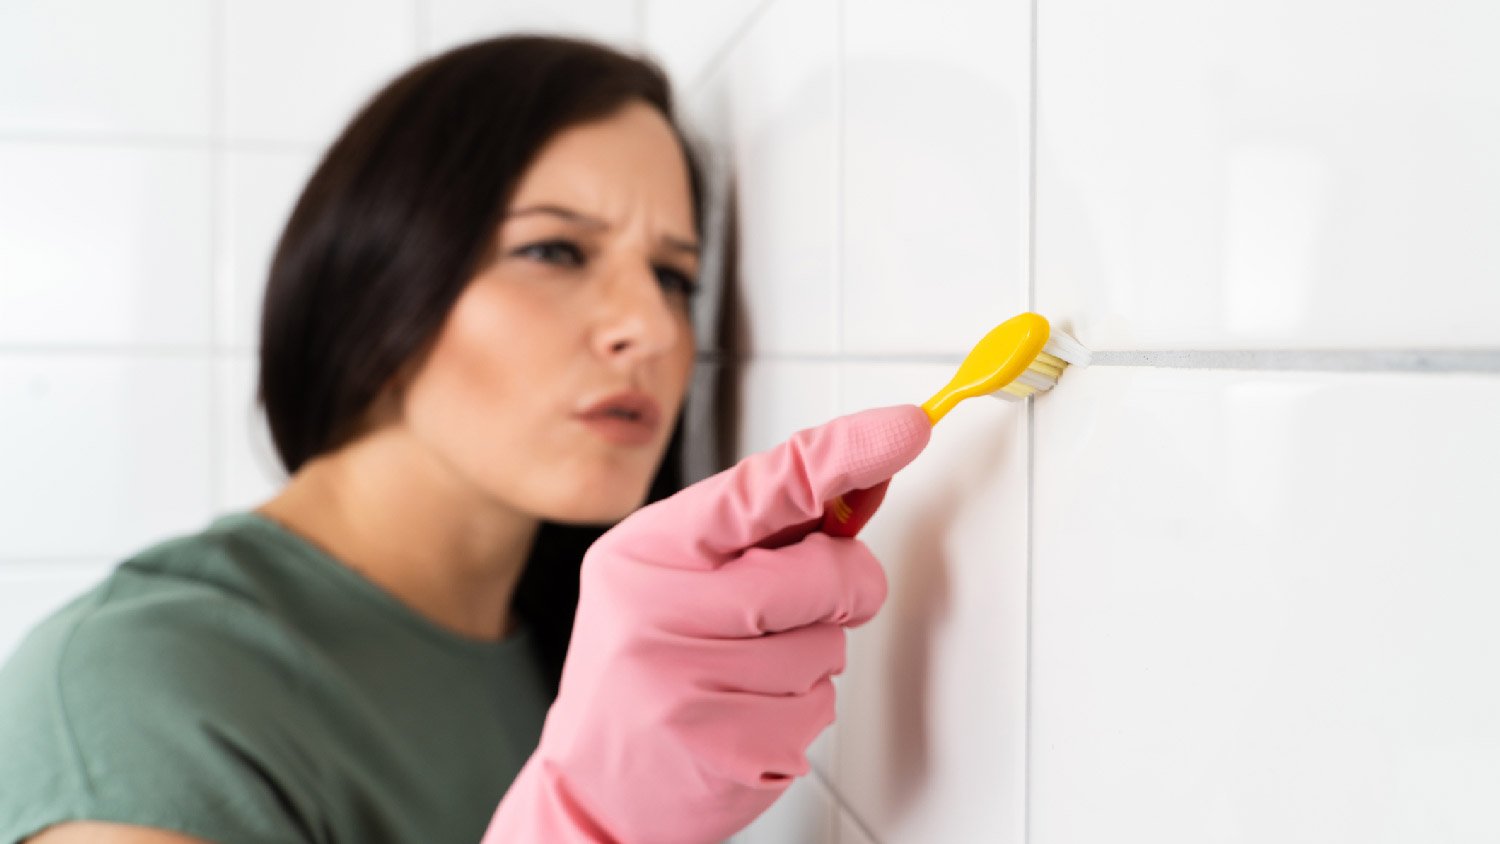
554	382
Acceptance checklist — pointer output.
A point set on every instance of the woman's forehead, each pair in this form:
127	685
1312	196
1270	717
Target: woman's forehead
629	159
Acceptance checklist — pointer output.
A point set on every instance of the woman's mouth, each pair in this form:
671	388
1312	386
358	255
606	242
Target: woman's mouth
629	418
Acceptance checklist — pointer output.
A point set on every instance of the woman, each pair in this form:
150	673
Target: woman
475	340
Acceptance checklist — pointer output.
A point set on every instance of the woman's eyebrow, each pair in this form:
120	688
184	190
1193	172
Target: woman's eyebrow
572	216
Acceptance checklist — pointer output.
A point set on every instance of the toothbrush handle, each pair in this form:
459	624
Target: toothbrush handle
847	513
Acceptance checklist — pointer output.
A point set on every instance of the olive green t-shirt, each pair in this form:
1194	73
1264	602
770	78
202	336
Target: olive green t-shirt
241	686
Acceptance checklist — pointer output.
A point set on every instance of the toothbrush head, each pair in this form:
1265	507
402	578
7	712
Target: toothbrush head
1019	357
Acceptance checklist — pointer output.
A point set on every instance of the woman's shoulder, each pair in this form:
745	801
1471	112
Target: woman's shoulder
140	699
183	611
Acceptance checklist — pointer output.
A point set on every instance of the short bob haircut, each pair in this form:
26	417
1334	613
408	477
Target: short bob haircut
399	215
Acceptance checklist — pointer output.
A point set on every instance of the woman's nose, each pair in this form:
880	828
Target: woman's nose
638	322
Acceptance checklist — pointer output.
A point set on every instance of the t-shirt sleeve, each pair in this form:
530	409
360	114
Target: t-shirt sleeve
162	715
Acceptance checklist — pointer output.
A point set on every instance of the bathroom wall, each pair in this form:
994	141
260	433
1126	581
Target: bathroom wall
1236	582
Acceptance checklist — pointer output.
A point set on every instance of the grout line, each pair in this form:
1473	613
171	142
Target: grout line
420	33
64	561
842	804
215	142
217	215
721	55
840	140
1284	360
1031	166
126	351
1027	686
1311	360
1483	360
1031	241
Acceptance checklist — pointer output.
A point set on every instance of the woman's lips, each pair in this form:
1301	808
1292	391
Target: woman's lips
619	430
628	418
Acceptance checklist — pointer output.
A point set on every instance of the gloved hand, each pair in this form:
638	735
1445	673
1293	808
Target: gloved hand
708	627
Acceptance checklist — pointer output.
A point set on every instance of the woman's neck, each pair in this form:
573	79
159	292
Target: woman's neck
388	509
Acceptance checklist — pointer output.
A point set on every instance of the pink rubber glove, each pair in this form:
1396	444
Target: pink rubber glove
708	627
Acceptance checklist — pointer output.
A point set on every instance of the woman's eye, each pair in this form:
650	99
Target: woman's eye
676	280
553	252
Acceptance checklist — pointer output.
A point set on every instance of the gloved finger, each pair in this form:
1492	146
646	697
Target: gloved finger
786	663
820	578
755	740
711	522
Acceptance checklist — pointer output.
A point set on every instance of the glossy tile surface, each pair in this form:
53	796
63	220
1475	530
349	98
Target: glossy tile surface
931	709
249	471
1263	608
104	246
100	68
770	113
688	36
296	71
102	454
805	813
259	190
934	164
448	23
1285	173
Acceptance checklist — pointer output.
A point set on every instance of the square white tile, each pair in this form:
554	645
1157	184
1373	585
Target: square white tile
770	115
932	707
779	398
453	22
686	36
103	245
103	454
297	70
1263	608
935	173
97	67
1276	174
249	470
260	189
30	591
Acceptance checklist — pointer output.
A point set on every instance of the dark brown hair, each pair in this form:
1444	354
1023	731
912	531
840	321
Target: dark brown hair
395	221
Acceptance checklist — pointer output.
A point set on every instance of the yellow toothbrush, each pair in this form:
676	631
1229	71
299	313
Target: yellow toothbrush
1019	357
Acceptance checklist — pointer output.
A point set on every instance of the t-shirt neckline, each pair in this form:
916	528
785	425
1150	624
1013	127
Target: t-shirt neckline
382	600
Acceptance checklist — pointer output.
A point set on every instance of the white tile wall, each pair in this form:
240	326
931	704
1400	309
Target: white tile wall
805	813
770	110
259	189
1246	605
104	245
1264	608
249	471
89	67
103	452
932	708
295	71
934	171
689	36
448	23
1283	173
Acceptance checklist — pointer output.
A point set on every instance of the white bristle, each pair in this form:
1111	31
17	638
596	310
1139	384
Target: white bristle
1070	350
